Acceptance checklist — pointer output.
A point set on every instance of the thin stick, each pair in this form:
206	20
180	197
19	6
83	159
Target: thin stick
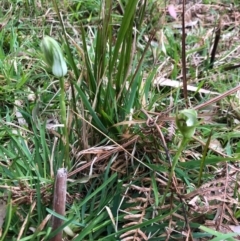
59	200
217	98
215	44
184	56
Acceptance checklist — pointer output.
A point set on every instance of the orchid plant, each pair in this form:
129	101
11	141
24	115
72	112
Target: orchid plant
53	57
186	121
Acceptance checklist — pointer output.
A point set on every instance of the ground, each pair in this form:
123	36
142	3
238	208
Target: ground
132	174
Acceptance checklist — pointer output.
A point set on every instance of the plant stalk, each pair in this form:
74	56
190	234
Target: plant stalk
183	144
64	122
59	200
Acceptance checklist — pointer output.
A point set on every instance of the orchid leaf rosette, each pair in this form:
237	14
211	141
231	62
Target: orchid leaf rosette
53	56
186	121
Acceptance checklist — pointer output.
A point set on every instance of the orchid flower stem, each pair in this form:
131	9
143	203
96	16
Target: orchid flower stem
174	164
64	122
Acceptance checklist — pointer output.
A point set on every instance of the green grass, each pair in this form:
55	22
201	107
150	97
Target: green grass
119	124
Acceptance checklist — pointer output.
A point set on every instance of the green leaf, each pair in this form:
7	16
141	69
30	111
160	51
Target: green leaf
86	103
129	12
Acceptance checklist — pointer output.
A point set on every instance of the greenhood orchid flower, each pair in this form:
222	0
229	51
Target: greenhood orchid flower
186	121
53	56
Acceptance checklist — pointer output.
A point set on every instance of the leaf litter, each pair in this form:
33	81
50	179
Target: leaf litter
215	198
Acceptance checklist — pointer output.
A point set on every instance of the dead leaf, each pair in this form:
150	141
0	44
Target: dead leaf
172	11
176	84
235	229
3	211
